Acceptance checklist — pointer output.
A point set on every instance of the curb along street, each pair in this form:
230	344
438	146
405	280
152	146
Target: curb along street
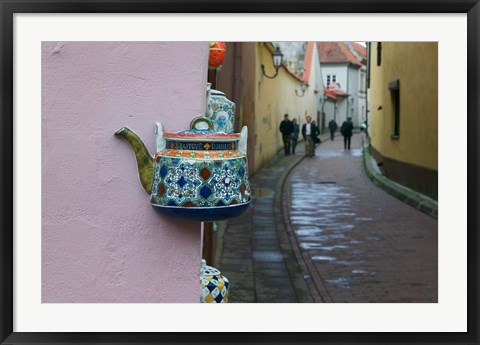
316	287
419	201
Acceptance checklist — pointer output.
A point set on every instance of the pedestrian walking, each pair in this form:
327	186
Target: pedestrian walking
332	126
286	127
347	132
296	132
308	132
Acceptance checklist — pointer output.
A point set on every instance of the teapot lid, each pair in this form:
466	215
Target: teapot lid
201	127
208	270
216	92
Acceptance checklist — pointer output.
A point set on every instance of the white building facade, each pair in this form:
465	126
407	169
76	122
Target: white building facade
344	74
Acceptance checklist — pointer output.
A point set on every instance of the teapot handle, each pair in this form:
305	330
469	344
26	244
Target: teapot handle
201	123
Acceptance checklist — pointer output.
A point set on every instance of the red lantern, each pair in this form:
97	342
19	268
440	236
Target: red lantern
217	54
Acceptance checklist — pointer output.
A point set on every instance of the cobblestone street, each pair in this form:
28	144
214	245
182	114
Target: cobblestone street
359	243
326	233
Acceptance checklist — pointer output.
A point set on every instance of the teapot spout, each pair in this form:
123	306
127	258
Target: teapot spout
145	161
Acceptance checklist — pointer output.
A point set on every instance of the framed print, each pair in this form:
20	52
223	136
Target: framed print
151	55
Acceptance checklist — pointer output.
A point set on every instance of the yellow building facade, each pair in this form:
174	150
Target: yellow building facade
261	102
279	96
403	118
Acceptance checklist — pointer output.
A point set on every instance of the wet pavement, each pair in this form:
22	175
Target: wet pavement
319	230
256	254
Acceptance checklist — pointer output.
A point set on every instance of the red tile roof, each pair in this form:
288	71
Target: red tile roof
308	62
338	52
362	50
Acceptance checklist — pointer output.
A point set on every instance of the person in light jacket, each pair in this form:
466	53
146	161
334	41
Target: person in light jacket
309	131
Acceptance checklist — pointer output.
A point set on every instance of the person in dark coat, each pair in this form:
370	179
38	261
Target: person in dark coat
296	132
332	126
316	139
347	132
286	127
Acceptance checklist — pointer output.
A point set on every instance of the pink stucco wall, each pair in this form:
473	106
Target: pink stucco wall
101	240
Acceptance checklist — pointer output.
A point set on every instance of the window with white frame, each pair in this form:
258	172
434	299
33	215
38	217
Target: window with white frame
331	78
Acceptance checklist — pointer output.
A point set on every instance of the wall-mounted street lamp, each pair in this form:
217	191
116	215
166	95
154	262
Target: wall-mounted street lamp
277	63
303	87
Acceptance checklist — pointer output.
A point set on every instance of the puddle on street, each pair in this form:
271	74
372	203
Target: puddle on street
308	231
349	263
345	283
333	247
323	258
363	219
340	227
364	272
310	245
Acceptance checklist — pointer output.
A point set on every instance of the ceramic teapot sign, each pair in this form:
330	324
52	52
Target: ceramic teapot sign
220	110
213	285
197	174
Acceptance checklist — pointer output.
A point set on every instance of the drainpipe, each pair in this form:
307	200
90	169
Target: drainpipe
323	105
348	90
369	47
235	86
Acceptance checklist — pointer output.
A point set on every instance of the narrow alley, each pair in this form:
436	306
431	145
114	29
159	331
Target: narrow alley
320	231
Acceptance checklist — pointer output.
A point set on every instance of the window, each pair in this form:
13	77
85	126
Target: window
331	78
394	87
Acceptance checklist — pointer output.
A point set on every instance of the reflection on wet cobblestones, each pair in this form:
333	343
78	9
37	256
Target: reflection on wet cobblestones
324	224
359	243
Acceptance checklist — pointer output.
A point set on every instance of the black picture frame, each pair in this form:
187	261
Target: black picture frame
9	7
